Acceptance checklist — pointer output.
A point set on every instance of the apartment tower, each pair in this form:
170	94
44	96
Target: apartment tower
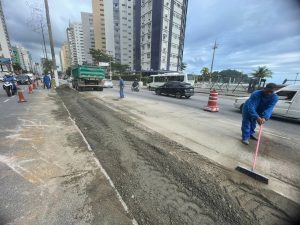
162	32
88	35
76	44
4	39
103	20
65	57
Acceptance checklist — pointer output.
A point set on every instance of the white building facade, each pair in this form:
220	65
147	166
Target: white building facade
88	35
162	34
123	31
5	48
76	44
24	57
113	26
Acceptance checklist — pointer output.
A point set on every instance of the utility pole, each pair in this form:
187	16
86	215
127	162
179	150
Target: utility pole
296	78
213	59
42	28
51	43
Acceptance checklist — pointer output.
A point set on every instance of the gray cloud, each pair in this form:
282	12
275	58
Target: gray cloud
20	30
249	34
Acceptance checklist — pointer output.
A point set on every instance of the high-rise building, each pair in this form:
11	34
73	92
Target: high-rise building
123	31
4	39
65	57
113	27
76	44
103	19
162	30
23	57
88	35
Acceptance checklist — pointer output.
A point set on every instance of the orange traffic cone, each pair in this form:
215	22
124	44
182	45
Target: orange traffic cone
34	85
212	105
30	89
21	95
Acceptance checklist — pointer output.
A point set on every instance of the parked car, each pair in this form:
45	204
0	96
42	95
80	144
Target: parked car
23	79
176	88
1	78
108	83
288	104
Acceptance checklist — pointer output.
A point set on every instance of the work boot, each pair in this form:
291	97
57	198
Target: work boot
245	142
253	138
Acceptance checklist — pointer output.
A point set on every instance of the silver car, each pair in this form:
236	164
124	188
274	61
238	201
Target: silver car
287	106
108	83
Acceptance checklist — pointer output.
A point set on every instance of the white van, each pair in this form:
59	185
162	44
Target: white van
288	104
160	79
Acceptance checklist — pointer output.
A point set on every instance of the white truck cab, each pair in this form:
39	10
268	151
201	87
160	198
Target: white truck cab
287	106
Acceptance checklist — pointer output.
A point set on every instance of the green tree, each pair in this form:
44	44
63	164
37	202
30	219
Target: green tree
100	56
121	69
262	72
47	66
205	71
233	74
183	66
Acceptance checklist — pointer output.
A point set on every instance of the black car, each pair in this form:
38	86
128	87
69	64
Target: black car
176	88
23	79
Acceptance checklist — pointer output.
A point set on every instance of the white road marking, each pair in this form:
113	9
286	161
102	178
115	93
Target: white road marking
6	100
134	222
16	167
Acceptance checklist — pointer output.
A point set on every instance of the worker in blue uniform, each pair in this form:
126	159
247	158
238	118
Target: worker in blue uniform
258	109
47	80
121	87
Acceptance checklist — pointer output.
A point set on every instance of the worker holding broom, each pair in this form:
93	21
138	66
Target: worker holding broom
258	109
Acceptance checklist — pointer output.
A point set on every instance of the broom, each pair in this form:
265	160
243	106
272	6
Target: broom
251	172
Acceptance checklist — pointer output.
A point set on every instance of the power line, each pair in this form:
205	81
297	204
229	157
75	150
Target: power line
37	22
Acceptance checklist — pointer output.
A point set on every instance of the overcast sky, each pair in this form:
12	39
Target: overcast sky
249	33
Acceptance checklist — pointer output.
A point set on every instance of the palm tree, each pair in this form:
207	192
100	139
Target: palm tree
262	72
205	71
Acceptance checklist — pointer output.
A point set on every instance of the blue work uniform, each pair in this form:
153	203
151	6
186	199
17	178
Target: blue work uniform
258	105
121	88
46	81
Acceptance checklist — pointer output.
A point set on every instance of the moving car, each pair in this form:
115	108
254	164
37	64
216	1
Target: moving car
108	83
287	106
176	88
23	79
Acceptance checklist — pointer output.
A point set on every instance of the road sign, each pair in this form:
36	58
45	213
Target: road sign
104	64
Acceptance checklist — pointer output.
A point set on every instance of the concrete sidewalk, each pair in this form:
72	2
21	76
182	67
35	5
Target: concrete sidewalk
48	175
218	139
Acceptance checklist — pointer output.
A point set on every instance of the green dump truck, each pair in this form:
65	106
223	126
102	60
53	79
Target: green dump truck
88	77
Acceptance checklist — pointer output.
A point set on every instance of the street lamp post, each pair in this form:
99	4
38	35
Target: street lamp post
110	70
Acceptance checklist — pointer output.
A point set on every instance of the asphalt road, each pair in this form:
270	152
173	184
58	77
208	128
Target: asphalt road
284	128
161	181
